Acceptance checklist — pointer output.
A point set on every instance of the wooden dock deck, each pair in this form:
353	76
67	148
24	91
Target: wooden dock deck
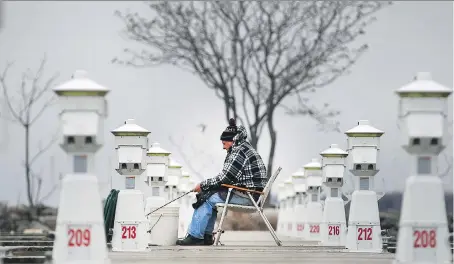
251	247
239	247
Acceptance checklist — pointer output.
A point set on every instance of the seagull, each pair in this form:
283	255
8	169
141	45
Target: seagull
202	127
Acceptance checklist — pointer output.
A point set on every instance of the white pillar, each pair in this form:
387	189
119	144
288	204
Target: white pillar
289	208
171	187
423	228
130	225
300	210
191	198
334	226
299	181
80	236
281	206
185	206
164	222
314	210
364	231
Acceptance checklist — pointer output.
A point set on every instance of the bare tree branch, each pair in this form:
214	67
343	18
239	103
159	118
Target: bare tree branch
42	150
51	191
6	97
448	169
34	98
38	187
254	55
322	116
188	161
446	157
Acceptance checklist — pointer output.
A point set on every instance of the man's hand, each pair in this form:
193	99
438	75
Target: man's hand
197	188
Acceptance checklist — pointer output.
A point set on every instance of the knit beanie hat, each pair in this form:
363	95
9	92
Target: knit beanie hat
230	132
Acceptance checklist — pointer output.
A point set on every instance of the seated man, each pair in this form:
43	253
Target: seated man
243	167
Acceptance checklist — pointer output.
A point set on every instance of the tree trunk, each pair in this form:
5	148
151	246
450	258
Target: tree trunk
253	137
28	172
273	137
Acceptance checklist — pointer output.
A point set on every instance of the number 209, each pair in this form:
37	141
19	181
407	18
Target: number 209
79	237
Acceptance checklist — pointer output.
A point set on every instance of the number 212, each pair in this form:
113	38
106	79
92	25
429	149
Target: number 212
365	233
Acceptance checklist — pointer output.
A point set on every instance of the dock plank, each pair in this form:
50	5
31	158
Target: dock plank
251	247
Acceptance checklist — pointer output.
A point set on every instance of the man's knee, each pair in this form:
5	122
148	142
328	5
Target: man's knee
214	199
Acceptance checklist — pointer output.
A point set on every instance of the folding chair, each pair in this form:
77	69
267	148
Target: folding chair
257	206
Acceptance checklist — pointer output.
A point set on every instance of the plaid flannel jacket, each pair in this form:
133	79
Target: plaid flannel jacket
243	166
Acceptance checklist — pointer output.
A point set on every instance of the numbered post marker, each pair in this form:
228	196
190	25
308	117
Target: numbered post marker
424	238
79	231
131	226
364	237
129	231
423	102
300	227
129	236
79	241
314	229
334	232
364	233
424	243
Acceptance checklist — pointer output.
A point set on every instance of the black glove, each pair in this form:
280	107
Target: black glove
200	200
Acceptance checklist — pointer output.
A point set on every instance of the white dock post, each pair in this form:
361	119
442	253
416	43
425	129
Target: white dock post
314	209
334	226
164	222
299	181
79	234
281	207
364	230
174	173
423	227
130	226
186	209
289	210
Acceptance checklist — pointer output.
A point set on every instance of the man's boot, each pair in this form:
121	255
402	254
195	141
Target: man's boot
191	241
208	239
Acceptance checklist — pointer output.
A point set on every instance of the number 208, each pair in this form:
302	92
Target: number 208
424	238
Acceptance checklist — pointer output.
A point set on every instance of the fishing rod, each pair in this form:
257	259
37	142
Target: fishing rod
169	202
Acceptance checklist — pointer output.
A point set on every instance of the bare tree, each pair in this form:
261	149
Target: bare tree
2	14
26	103
257	56
204	160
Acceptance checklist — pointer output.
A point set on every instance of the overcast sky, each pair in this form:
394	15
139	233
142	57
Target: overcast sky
406	38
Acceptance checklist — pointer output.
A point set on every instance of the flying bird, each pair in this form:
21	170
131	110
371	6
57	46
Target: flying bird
202	127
